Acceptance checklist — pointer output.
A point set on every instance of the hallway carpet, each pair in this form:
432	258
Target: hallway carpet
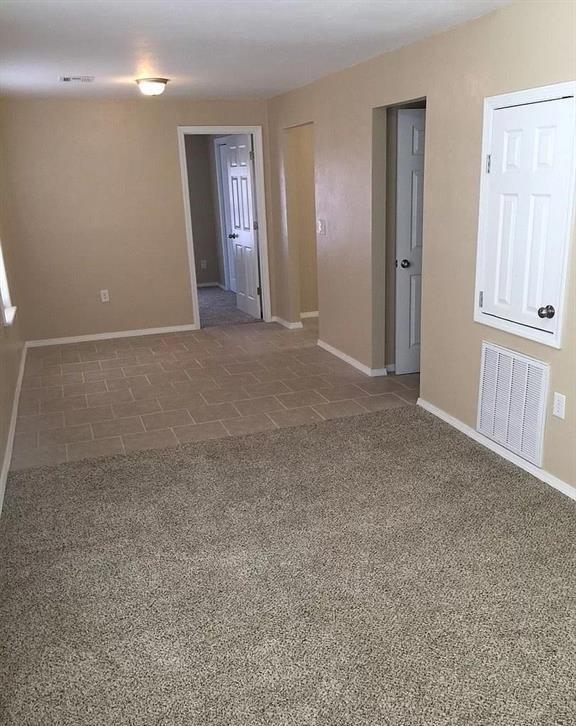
380	570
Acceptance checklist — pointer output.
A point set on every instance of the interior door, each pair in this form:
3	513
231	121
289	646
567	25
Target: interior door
242	231
226	223
526	211
409	199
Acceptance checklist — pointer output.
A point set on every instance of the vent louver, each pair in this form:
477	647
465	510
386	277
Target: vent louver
512	401
76	79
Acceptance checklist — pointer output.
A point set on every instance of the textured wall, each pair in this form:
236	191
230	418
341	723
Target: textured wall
96	202
301	210
520	46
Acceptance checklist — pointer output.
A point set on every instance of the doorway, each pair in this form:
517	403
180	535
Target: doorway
406	132
298	148
225	215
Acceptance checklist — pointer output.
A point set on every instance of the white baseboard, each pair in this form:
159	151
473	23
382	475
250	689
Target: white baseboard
208	284
312	314
391	368
285	323
108	336
352	361
12	428
541	474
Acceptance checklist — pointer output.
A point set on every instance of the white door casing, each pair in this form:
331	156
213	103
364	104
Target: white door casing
409	200
526	215
242	220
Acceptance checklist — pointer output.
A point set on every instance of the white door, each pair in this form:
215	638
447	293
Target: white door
409	198
225	223
525	212
242	230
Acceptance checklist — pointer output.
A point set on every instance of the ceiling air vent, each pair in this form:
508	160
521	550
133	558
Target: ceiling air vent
512	401
76	79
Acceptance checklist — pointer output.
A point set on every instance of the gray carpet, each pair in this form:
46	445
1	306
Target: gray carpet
380	570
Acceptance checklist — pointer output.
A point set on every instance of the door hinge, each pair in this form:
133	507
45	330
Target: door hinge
481	300
251	156
488	163
259	290
254	225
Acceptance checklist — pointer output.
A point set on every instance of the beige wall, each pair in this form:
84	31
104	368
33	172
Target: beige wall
203	208
96	202
298	154
523	45
11	343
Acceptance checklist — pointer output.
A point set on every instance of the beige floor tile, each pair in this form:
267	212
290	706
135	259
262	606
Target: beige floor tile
181	400
224	395
25	441
132	382
41	422
200	432
383	384
410	394
297	399
136	408
160	389
109	398
117	427
28	408
88	415
63	404
410	380
79	389
166	419
270	388
258	405
150	440
44	456
338	409
341	393
380	402
66	435
98	447
194	386
216	412
306	383
249	424
295	417
50	393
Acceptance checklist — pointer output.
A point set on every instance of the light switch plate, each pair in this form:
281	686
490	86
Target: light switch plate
559	405
321	226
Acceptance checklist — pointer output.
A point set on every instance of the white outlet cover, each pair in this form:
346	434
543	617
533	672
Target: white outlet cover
559	405
104	296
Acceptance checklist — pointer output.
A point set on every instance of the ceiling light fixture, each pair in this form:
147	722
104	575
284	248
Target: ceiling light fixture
152	86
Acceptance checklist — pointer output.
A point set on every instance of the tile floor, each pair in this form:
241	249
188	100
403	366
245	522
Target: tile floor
218	307
116	396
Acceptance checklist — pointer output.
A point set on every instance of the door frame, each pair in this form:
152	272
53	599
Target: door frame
258	147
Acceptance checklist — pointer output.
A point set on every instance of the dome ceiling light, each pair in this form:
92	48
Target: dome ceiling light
152	86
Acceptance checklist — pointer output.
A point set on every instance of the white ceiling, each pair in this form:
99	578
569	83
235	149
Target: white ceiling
209	48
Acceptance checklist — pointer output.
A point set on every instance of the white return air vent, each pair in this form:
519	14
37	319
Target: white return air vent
512	401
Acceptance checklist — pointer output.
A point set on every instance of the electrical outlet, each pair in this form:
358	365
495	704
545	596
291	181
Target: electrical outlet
559	405
203	264
104	296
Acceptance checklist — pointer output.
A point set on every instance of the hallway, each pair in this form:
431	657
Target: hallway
218	307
